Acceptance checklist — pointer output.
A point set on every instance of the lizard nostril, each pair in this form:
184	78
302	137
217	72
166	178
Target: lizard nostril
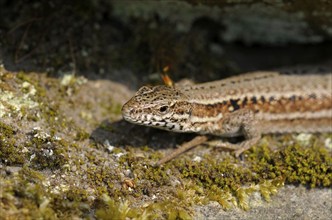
127	111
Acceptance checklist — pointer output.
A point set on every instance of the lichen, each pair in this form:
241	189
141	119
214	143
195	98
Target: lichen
64	173
9	102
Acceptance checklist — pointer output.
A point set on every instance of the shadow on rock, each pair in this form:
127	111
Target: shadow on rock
122	133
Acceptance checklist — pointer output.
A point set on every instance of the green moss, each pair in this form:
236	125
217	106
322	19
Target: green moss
48	158
172	210
209	172
223	197
156	175
116	210
81	135
268	188
296	164
225	182
308	166
10	153
30	175
29	195
32	200
122	210
232	185
170	190
6	130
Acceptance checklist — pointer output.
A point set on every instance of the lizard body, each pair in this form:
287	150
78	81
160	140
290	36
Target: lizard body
247	105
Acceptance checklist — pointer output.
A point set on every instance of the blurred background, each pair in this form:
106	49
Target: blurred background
130	41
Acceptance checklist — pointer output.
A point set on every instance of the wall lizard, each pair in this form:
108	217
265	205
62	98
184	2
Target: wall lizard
248	105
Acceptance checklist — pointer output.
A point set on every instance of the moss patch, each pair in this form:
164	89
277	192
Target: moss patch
53	169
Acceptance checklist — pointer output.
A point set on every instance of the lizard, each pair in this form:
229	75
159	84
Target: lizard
247	105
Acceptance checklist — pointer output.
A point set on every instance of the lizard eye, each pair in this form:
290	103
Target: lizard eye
163	109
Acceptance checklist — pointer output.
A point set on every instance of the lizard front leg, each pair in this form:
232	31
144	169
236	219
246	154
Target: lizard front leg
240	123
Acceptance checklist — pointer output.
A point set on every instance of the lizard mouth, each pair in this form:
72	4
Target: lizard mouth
128	114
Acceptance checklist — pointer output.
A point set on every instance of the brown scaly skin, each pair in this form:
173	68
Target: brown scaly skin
247	105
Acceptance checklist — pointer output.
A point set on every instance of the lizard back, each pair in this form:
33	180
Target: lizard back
280	103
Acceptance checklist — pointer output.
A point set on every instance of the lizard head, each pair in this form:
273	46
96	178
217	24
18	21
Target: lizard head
159	106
